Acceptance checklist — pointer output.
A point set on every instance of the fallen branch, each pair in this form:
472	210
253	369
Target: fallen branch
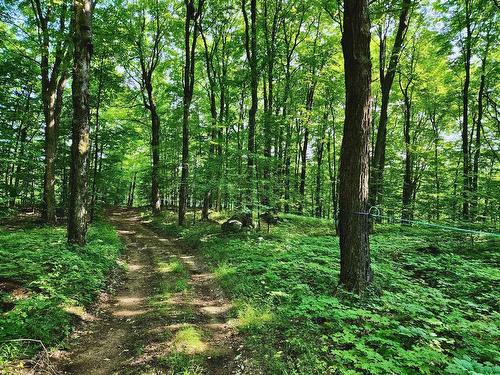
41	362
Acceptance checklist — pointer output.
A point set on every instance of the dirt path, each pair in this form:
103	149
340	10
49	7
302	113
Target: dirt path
168	317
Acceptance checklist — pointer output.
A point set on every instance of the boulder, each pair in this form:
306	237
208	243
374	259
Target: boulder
231	226
245	218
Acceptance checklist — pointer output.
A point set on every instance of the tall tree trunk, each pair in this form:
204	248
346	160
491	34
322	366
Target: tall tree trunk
192	15
406	213
96	144
207	199
77	216
386	80
130	202
465	113
155	148
251	52
52	83
480	110
303	170
355	269
291	43
319	160
437	183
270	32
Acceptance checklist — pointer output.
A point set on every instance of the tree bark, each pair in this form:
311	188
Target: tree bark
386	80
207	199
96	145
77	215
192	15
251	52
465	113
355	270
479	126
408	188
53	80
291	43
319	160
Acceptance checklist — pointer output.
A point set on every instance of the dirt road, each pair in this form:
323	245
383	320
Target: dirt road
167	316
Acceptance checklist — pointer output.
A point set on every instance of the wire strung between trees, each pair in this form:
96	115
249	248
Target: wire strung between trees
424	223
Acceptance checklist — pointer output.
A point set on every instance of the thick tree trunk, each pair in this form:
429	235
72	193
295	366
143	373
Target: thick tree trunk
77	215
355	270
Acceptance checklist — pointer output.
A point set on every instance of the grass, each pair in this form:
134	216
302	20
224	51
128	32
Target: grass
55	279
432	309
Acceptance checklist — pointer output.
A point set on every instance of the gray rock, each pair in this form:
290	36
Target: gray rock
231	226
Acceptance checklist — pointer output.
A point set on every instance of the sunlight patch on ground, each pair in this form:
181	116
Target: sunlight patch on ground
216	310
80	312
122	231
135	267
129	300
188	340
174	266
251	317
128	313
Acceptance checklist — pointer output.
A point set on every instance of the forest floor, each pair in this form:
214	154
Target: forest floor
168	315
192	300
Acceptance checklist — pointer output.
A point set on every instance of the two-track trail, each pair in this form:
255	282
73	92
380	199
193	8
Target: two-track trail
166	317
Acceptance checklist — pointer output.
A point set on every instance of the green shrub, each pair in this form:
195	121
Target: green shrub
431	310
55	275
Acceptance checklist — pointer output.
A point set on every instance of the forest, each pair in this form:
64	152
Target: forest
249	187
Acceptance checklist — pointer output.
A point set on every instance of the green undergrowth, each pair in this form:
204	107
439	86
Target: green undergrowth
433	307
46	280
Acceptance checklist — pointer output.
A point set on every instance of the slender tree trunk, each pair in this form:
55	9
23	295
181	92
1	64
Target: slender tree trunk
480	110
53	80
132	191
465	113
437	183
96	144
251	52
15	189
386	80
406	213
192	15
355	270
319	176
270	38
77	216
53	103
155	148
207	199
303	170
